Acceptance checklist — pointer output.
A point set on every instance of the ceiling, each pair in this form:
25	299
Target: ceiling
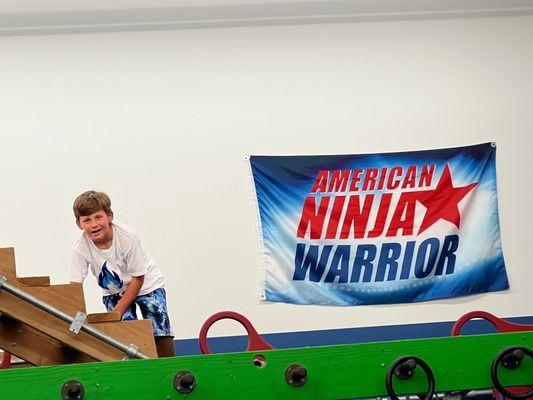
23	17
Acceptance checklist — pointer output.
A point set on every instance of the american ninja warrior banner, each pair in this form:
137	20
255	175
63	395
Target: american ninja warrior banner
379	228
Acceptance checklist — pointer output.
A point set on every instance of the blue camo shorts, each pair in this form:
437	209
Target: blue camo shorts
153	306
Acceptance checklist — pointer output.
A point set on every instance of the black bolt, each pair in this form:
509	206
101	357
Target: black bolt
513	359
184	382
296	375
72	390
405	369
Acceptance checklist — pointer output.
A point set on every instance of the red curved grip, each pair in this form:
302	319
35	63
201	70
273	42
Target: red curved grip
500	324
6	361
255	341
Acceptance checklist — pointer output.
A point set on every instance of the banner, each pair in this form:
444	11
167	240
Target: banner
379	228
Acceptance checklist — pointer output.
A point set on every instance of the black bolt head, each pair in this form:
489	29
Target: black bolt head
72	390
405	369
296	375
513	359
184	382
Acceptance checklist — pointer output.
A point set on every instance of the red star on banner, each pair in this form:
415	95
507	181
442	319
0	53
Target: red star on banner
441	202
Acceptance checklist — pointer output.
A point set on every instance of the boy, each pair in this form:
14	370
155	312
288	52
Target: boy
124	270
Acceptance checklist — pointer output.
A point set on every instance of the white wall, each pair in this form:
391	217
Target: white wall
162	120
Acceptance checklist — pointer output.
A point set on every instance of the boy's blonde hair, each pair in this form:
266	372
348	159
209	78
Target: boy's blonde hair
90	202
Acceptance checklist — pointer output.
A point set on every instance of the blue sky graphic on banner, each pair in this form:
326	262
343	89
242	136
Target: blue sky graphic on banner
379	228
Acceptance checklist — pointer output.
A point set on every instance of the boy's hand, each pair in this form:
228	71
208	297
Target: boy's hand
129	296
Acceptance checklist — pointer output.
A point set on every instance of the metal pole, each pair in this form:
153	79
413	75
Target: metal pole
131	350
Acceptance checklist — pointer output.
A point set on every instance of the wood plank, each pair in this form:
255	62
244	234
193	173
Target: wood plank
7	264
35	347
34	281
68	298
138	332
112	316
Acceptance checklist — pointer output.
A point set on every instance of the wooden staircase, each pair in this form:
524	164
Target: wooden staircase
41	338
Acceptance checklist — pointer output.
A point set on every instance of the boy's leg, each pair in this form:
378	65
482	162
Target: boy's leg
153	306
111	301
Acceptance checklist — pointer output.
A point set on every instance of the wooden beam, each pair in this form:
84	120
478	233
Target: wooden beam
7	264
112	316
36	348
34	281
333	372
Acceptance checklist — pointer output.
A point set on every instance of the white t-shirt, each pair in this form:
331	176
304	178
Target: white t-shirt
115	267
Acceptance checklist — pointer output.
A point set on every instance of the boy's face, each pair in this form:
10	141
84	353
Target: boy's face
97	226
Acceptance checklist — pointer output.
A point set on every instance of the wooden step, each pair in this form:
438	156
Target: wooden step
34	281
112	316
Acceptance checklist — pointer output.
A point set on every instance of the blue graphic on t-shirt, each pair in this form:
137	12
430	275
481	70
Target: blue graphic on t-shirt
109	280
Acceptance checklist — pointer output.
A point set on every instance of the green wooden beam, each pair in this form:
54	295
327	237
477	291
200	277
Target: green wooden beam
334	372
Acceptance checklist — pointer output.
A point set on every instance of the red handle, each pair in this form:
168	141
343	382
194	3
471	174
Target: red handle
255	341
500	324
6	361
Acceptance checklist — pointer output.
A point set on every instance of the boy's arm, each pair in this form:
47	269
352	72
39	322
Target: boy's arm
130	294
78	267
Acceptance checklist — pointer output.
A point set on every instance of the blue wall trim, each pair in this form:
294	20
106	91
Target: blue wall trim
286	340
